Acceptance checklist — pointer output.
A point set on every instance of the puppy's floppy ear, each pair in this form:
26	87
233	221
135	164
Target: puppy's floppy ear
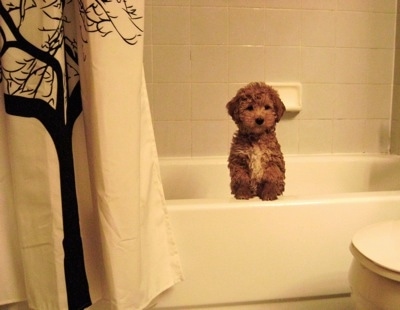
278	105
232	107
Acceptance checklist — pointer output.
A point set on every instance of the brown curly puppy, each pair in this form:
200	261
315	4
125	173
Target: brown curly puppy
256	163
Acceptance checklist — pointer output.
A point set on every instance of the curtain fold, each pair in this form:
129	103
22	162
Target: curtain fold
81	177
12	278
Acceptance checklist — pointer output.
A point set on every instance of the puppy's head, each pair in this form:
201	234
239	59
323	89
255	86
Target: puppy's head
256	108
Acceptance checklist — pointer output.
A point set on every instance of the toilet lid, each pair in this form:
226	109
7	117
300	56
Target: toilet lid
380	243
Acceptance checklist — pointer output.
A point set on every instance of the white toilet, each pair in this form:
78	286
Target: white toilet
374	274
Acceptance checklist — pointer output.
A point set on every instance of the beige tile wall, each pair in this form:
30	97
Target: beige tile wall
199	52
395	126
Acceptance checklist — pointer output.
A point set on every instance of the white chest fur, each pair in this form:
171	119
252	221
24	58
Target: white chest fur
257	158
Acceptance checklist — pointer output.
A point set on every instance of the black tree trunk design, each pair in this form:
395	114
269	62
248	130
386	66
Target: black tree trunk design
61	134
59	122
75	275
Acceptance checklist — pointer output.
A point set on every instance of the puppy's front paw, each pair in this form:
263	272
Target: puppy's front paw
269	197
243	197
243	193
269	192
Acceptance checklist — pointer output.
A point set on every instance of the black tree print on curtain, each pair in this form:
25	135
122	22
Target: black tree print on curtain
37	38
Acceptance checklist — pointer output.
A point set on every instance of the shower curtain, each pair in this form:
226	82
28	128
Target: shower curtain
82	213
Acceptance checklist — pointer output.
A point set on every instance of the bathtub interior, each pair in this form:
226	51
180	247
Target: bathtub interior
208	177
267	253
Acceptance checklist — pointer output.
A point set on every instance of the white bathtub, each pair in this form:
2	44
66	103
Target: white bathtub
295	248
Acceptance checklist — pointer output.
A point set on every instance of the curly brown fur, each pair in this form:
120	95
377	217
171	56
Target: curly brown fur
256	163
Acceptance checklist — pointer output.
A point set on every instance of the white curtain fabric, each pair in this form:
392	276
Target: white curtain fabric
82	212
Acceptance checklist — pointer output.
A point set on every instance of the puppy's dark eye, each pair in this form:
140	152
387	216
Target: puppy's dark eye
250	108
267	107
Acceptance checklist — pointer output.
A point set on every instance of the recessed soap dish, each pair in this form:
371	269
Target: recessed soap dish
290	94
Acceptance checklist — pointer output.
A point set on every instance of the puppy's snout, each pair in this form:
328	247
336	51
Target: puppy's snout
259	121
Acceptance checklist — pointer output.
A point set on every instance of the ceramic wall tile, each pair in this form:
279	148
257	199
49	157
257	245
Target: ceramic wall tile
376	139
282	27
247	3
173	101
171	63
210	135
246	26
318	28
319	101
318	65
387	6
171	2
319	4
369	101
167	28
363	29
363	66
209	63
315	136
209	3
348	136
173	138
283	4
209	100
245	64
282	63
209	25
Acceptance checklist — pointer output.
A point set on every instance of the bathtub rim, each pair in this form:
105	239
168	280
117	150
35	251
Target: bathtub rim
184	160
284	201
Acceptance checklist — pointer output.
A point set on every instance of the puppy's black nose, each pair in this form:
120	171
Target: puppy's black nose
259	121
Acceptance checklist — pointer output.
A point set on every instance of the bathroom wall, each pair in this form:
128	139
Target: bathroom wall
395	126
199	52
